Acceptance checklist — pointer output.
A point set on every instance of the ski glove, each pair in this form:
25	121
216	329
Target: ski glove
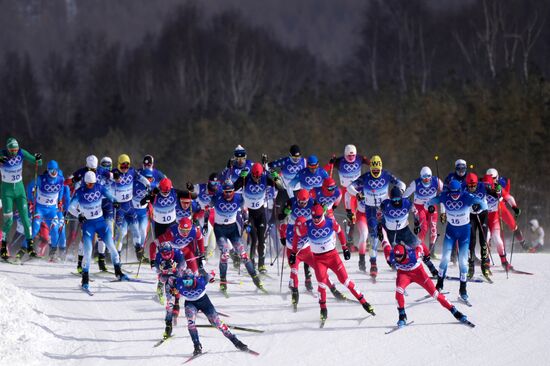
3	159
347	253
476	207
360	196
264	159
431	209
292	258
116	175
116	205
416	229
443	218
379	232
37	156
350	215
517	210
244	173
190	187
274	175
81	218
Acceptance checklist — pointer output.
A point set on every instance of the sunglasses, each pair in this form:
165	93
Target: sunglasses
53	172
124	166
331	188
188	282
13	151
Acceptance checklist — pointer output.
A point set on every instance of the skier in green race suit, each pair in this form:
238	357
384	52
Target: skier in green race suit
13	191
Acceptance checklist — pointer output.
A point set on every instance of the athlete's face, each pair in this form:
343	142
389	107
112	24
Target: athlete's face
185	203
455	195
350	158
124	167
295	158
472	187
317	219
241	161
313	168
90	185
13	152
183	231
461	170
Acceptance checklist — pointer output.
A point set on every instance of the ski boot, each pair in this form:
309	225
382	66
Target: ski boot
373	268
458	315
85	280
198	349
4	251
79	264
337	294
462	291
402	317
53	255
257	282
324	314
20	253
428	262
167	330
471	269
240	345
101	262
236	259
295	298
368	308
486	268
362	266
160	292
223	285
140	254
119	275
439	284
309	285
30	248
507	266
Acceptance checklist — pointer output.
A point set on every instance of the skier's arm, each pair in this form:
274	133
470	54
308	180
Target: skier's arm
339	232
410	189
35	159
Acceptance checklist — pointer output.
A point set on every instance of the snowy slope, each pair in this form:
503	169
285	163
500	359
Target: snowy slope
44	318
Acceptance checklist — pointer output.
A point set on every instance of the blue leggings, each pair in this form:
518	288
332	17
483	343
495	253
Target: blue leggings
453	234
101	228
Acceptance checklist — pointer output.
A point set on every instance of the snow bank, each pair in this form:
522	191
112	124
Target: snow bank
22	339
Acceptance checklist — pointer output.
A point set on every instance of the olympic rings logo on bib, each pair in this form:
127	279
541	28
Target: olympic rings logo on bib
377	184
256	188
454	206
312	181
426	191
305	212
15	160
398	213
293	168
349	168
140	193
320	233
51	188
227	207
125	179
91	197
165	201
325	200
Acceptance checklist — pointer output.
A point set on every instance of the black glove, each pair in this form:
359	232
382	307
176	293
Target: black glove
350	215
476	207
264	159
283	241
3	159
145	200
443	218
332	160
431	209
360	196
81	218
199	261
205	228
116	205
292	258
155	191
416	230
347	253
517	210
38	156
116	175
379	232
190	187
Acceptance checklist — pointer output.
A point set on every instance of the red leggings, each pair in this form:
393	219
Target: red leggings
419	276
304	255
427	220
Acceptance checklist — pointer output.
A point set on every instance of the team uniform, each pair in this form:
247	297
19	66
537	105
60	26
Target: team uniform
457	213
288	166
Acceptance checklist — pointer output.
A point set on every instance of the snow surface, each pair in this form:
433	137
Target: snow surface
45	319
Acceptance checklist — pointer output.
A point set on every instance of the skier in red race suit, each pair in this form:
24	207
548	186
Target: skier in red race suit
410	269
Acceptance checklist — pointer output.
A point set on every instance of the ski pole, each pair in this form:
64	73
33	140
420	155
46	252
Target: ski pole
502	235
282	270
436	158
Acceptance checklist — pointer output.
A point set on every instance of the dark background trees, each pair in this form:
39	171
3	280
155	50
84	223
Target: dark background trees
187	83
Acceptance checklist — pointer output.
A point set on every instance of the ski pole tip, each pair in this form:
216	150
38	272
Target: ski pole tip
436	157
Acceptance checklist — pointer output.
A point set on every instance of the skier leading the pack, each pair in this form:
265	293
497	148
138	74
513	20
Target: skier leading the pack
13	191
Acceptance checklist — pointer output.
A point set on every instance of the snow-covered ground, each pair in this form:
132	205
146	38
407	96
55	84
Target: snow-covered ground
45	319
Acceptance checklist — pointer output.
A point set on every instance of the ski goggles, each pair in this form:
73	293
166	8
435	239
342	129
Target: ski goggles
396	199
461	170
183	231
426	178
188	282
52	173
124	166
316	218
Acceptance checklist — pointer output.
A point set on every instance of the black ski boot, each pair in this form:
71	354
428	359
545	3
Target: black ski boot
257	282
439	285
458	315
30	248
85	280
368	308
198	349
309	285
402	317
373	268
4	251
101	262
295	297
471	269
462	291
236	259
337	294
362	265
118	273
324	314
53	254
240	345
167	330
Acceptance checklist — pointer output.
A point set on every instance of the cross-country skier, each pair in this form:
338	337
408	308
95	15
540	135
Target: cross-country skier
321	232
13	191
370	189
192	288
395	219
478	220
141	212
169	262
310	177
86	205
227	203
48	189
328	195
205	192
457	205
149	163
536	242
409	270
254	191
236	165
349	169
425	188
459	174
289	166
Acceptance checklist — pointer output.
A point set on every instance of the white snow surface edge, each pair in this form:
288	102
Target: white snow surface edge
45	319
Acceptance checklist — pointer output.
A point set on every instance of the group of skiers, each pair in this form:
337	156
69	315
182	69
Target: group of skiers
239	201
